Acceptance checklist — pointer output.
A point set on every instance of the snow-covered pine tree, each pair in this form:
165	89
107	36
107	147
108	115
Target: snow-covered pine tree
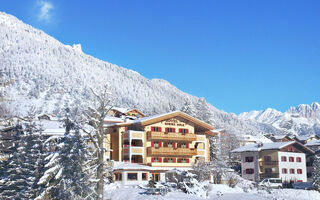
66	176
188	107
204	112
98	137
316	173
24	167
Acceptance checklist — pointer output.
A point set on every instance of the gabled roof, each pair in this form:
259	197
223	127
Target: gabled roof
160	117
313	143
126	110
271	146
264	146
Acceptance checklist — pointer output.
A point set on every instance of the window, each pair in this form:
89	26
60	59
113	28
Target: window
291	159
283	158
156	129
183	130
183	160
268	170
144	176
299	171
156	144
132	176
249	171
249	159
291	171
156	160
118	176
170	144
170	160
284	171
170	130
267	158
298	159
183	145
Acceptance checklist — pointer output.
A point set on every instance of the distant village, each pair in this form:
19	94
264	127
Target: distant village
144	148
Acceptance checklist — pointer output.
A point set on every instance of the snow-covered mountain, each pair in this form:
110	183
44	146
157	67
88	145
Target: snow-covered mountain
45	74
302	120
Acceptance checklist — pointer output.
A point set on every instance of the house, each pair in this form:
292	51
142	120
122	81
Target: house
250	139
120	112
313	144
303	139
285	160
280	138
164	141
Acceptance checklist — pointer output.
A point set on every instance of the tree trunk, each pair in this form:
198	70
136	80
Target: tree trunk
100	170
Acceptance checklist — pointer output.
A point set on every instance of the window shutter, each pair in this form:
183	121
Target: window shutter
174	160
159	129
152	128
173	130
174	145
180	130
160	159
126	128
160	143
187	160
187	130
187	145
151	143
166	130
152	159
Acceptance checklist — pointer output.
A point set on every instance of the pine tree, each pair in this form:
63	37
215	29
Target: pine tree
24	167
188	107
98	137
66	176
204	112
316	173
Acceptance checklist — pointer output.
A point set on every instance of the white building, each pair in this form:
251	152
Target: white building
285	160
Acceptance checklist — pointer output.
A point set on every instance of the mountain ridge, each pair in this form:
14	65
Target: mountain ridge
302	119
48	74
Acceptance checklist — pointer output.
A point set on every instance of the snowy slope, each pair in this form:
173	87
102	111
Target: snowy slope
46	73
302	120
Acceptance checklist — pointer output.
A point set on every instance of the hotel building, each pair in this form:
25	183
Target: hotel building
153	145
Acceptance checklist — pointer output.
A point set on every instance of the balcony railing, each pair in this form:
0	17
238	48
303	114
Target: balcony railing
269	175
169	151
268	163
171	136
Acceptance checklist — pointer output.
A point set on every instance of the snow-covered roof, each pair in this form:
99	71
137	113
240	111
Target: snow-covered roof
302	137
251	138
51	127
113	119
122	110
135	166
163	116
279	137
264	146
313	143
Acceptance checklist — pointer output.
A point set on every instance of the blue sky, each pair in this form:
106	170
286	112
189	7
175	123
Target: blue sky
239	55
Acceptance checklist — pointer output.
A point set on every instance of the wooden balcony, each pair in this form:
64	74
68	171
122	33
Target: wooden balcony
269	175
169	151
188	137
268	163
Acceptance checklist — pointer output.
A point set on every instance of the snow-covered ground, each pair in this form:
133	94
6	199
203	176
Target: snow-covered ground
219	192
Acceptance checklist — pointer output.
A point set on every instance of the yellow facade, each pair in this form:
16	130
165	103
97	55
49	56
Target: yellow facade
176	141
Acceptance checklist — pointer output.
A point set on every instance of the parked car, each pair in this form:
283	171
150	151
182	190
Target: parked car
158	190
302	185
271	183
